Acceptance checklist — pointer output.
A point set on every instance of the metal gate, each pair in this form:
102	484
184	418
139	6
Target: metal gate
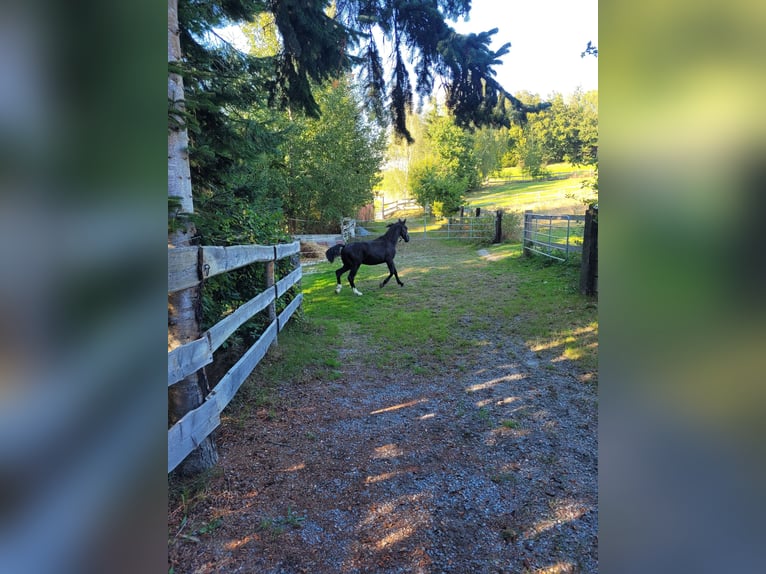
554	236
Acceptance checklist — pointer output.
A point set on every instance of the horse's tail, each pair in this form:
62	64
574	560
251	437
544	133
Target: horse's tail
333	252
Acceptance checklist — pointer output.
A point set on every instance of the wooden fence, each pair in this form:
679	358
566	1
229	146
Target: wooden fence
187	267
589	266
388	208
483	227
554	236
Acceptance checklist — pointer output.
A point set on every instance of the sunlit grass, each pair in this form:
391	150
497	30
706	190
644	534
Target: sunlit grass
540	196
553	169
452	293
458	298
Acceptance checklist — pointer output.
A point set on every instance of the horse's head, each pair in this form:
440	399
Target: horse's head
398	230
403	230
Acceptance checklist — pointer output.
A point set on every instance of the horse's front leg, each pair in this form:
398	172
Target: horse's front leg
338	274
391	273
351	281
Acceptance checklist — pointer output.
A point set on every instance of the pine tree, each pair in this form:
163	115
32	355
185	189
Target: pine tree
321	40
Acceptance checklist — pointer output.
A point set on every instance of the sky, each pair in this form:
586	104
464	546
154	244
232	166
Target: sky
547	38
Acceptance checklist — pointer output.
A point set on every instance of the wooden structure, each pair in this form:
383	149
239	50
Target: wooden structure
187	267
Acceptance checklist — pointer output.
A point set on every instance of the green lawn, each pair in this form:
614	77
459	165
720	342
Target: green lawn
553	169
453	299
552	197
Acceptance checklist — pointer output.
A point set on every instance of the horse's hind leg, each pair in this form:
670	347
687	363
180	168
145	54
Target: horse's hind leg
351	280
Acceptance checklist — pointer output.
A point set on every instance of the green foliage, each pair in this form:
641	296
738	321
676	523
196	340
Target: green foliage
531	157
304	43
512	226
228	219
453	148
433	185
333	161
489	147
448	168
568	131
445	283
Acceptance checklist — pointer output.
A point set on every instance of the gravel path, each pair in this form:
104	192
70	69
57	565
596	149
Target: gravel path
489	468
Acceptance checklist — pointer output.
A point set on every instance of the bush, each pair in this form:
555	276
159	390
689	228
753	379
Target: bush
512	226
432	186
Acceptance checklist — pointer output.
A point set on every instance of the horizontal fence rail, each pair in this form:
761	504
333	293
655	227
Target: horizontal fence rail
183	262
388	208
554	236
187	266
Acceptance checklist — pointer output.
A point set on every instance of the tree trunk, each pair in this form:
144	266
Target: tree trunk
183	324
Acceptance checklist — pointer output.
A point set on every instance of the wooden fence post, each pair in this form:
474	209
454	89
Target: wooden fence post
498	227
527	233
270	284
589	266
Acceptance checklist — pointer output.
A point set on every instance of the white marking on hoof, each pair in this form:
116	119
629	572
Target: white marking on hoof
338	288
357	291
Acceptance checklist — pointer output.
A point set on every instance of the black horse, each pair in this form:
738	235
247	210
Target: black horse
375	252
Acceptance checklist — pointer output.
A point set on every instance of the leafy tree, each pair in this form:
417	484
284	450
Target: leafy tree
548	131
531	156
567	131
320	40
448	169
453	148
400	155
584	126
490	145
333	160
433	185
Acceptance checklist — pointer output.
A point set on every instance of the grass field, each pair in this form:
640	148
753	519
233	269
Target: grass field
553	197
453	299
516	195
553	169
450	294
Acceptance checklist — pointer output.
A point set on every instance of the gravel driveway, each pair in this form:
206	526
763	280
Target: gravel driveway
488	466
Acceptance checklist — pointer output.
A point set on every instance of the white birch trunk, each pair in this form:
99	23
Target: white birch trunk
183	325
